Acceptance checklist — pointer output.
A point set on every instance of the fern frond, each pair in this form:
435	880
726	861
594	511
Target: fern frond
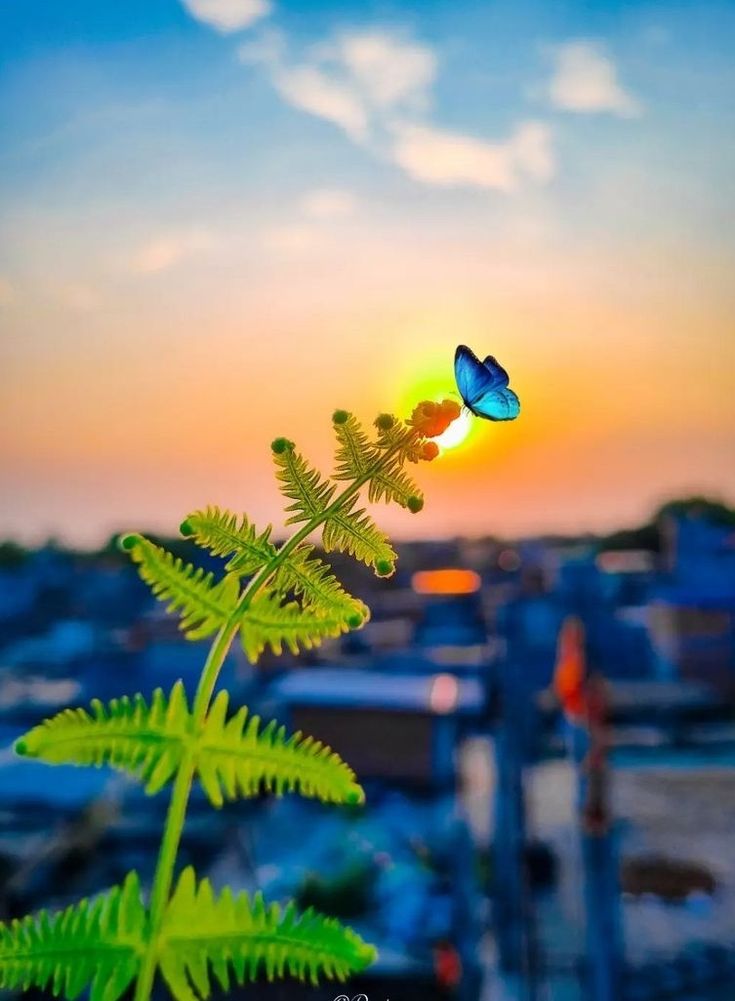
358	458
396	436
224	535
390	483
301	483
354	532
231	758
146	741
94	944
203	605
231	937
238	757
355	452
268	622
312	579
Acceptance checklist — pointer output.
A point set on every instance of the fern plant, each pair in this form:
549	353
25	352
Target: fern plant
270	596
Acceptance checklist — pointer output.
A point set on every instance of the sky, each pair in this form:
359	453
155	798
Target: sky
221	219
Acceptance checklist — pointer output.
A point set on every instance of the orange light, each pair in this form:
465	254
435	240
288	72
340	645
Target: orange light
449	581
444	694
570	672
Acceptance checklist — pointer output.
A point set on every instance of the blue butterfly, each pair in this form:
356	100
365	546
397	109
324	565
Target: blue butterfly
483	386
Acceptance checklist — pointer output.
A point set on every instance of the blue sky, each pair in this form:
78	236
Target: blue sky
350	188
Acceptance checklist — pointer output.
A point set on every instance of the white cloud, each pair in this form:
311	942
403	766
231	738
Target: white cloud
353	82
377	86
328	203
586	80
450	159
311	89
7	292
228	15
168	250
387	70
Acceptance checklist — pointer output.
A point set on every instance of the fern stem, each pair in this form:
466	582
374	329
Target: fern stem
174	825
176	815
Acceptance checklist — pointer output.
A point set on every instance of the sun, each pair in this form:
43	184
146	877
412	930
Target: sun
456	432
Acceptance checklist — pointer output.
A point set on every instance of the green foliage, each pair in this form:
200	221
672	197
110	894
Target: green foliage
358	458
231	937
146	741
232	756
300	483
311	579
203	605
271	622
352	531
274	597
238	757
95	944
224	535
355	453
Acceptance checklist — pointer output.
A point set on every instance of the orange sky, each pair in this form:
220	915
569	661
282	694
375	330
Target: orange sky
196	257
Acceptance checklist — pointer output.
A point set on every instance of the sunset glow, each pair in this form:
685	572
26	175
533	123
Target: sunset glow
457	431
215	235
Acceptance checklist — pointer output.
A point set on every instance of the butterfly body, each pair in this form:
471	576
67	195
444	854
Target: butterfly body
483	386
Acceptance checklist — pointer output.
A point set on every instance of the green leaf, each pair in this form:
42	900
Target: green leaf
96	944
312	579
203	605
229	937
300	483
355	452
268	622
237	757
390	483
395	435
232	757
358	458
354	532
127	734
222	534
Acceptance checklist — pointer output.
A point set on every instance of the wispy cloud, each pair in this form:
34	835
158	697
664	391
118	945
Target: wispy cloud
354	81
169	249
586	80
228	16
316	92
450	159
388	71
377	87
328	204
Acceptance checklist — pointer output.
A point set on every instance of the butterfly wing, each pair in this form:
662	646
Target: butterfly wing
473	379
497	373
497	405
484	386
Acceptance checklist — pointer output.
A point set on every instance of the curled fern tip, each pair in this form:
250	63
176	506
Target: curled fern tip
128	542
384	422
385	568
281	445
186	528
414	504
340	417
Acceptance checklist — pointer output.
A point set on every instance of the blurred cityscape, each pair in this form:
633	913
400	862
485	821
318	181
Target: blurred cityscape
506	851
